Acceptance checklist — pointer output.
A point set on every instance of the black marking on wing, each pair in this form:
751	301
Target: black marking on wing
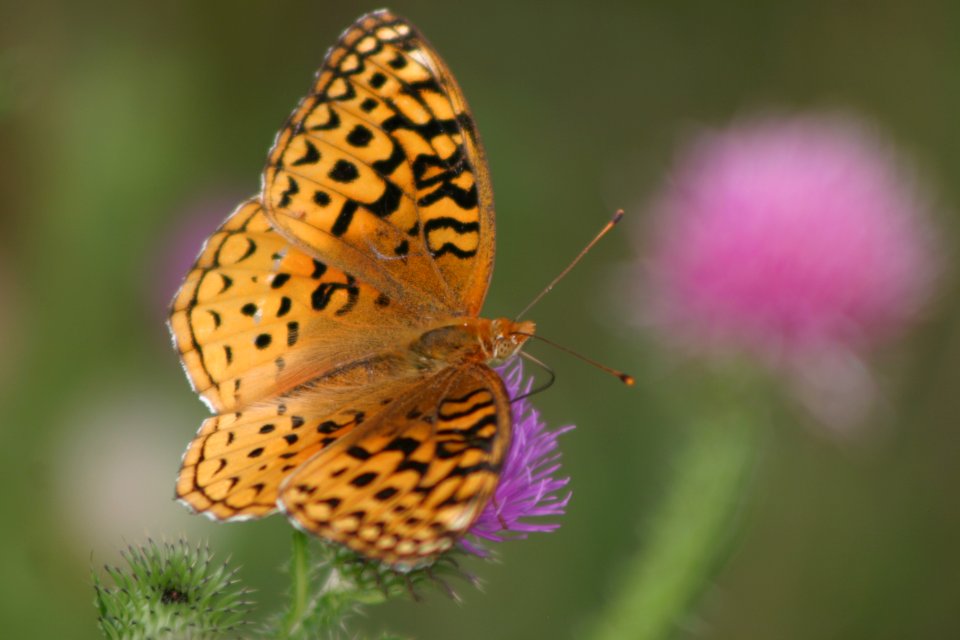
344	218
292	189
344	171
450	223
453	249
360	136
311	156
387	203
321	296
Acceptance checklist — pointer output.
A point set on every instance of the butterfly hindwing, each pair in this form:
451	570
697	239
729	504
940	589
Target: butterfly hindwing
412	479
232	467
235	465
380	171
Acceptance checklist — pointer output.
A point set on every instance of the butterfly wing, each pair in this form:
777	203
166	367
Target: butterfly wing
256	316
380	172
377	220
404	486
233	468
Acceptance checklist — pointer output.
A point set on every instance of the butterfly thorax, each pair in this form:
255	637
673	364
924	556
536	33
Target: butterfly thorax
470	339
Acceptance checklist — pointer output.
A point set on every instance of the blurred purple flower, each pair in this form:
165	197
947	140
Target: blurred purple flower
529	483
12	325
786	236
189	228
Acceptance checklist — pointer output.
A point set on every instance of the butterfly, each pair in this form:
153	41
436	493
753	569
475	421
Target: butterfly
331	323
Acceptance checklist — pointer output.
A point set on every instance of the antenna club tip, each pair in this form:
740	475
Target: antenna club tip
617	216
628	379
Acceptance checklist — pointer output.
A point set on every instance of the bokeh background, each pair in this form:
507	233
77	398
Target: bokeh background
129	129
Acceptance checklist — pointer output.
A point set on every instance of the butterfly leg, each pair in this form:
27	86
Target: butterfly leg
496	505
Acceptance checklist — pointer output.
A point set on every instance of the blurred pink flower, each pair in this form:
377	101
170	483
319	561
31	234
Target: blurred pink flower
789	236
187	231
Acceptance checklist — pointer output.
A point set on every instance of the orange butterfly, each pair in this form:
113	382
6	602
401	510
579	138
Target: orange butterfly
331	322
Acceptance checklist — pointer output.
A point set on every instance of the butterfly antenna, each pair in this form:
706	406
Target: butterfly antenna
541	388
625	378
606	228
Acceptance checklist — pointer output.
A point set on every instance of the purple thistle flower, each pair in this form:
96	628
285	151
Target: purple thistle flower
529	485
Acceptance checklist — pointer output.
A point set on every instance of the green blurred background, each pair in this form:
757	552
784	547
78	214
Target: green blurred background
129	129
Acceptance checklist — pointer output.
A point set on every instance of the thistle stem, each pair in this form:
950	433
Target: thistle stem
692	532
300	586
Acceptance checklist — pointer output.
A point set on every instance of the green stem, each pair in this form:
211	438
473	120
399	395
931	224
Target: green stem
300	586
690	535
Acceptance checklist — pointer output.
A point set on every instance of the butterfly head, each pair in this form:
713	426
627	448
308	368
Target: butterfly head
507	338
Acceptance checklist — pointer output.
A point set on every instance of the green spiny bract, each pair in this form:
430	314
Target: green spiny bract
170	590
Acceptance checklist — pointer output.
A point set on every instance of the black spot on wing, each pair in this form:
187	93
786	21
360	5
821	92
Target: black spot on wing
360	136
385	494
285	306
328	426
344	171
310	156
358	453
364	479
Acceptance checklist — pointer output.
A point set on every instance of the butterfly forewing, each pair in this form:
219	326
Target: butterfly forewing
411	480
382	157
255	315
